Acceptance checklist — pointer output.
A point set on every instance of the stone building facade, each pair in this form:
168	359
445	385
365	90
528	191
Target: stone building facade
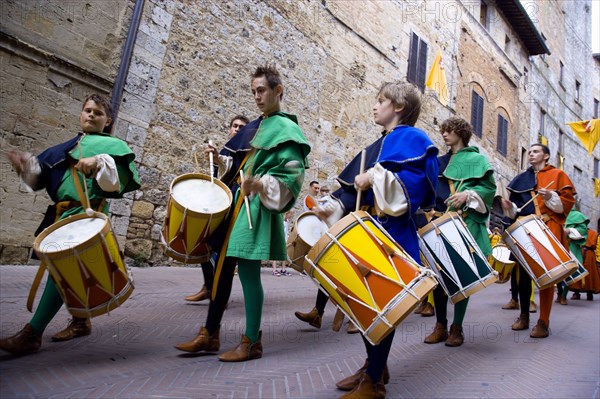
190	74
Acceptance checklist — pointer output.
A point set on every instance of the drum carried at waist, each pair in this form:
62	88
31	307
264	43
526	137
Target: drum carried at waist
540	253
452	253
197	206
83	257
578	274
500	262
305	233
369	277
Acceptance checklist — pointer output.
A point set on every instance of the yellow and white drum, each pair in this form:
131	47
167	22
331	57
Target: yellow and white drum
368	275
305	233
539	252
196	208
452	253
500	262
83	257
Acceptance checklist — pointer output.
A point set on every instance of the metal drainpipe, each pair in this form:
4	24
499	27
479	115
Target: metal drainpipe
117	94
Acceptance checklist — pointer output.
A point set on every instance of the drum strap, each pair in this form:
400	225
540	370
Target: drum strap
223	251
536	203
82	197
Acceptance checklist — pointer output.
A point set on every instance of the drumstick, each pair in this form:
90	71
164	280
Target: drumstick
210	162
533	197
362	169
455	191
245	200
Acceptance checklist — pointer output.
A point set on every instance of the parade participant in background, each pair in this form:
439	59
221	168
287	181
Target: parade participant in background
238	122
552	205
107	163
401	176
466	184
582	243
310	201
271	151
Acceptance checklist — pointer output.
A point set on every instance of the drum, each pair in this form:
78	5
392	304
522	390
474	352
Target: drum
196	208
83	257
369	277
305	233
452	253
578	274
539	251
500	262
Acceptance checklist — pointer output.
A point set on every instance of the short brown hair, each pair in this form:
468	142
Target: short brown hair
239	117
460	127
406	95
101	100
271	74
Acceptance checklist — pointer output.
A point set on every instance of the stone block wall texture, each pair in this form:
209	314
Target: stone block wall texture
190	73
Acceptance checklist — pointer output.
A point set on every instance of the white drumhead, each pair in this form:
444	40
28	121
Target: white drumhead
200	195
311	229
501	253
71	234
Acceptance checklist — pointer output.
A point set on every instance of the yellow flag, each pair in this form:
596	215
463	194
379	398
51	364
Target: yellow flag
596	187
588	132
436	79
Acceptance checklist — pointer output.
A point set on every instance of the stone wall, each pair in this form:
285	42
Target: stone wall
53	54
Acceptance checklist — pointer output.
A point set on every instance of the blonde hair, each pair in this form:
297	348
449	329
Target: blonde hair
405	95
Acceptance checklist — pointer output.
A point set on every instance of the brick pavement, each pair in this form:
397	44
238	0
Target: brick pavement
130	353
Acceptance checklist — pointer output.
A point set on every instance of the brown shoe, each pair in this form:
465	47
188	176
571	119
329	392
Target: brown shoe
512	304
351	328
349	383
204	341
456	337
420	308
576	296
428	310
366	389
22	343
563	301
540	330
246	350
201	295
78	327
532	307
313	317
521	323
439	334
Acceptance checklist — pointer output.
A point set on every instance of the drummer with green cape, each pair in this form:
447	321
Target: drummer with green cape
466	185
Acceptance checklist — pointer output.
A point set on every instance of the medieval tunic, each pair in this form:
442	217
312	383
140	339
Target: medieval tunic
554	212
583	246
469	171
278	157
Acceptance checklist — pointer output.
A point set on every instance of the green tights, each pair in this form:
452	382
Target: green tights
48	307
254	296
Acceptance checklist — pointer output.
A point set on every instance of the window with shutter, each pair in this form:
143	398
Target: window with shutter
417	62
477	113
502	143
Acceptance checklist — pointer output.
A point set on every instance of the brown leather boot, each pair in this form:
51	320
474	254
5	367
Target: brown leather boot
313	317
521	323
428	310
78	327
576	296
512	304
456	337
24	342
420	308
540	330
349	383
204	341
351	328
201	295
563	301
246	350
532	307
439	334
366	389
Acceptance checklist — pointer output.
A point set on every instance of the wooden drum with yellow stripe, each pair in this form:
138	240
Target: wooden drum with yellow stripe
83	257
197	206
368	275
